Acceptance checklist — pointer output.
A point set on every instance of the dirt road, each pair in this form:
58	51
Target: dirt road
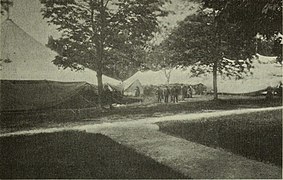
192	159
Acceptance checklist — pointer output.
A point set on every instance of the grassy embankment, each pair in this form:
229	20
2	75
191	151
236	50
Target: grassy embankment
256	135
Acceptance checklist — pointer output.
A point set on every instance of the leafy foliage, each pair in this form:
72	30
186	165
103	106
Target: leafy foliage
160	57
251	16
225	30
200	40
98	34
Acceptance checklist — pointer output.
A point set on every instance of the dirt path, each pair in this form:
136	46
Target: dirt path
192	159
142	122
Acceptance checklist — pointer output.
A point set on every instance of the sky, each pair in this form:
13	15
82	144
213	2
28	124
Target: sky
26	14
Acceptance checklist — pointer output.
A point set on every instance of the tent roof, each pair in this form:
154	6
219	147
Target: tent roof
266	72
32	61
129	85
158	77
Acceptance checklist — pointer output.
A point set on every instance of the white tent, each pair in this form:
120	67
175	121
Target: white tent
266	72
30	60
158	77
131	87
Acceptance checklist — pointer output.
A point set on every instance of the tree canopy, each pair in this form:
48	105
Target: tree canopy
99	33
251	16
161	57
221	36
200	41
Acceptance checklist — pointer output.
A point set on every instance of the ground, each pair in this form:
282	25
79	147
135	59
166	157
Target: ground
65	117
75	154
190	159
255	135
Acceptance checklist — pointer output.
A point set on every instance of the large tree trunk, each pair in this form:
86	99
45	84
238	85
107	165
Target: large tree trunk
100	86
167	75
215	80
100	50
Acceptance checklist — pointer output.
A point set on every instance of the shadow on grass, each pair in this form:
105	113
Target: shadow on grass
256	135
75	154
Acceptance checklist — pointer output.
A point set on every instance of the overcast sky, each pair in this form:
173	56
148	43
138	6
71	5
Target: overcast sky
26	14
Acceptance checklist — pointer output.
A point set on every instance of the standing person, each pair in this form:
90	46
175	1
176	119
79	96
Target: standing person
186	91
137	92
176	94
159	94
279	89
162	93
190	92
183	92
166	94
108	96
172	91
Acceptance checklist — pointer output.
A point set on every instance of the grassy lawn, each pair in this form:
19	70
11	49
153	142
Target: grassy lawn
256	135
27	120
75	155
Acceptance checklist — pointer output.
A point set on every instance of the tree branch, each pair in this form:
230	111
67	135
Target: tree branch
106	4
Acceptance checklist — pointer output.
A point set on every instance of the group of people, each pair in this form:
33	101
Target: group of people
171	94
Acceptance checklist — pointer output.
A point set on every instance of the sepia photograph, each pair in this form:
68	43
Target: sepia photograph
141	89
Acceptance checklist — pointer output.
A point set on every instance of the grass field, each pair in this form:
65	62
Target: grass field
27	120
75	155
256	135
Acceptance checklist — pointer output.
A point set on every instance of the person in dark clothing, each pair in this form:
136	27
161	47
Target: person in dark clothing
166	94
279	90
183	92
269	93
162	94
137	92
107	95
172	91
159	94
176	94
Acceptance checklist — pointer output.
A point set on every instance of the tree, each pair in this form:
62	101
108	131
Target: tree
235	25
123	66
96	33
253	17
161	58
211	44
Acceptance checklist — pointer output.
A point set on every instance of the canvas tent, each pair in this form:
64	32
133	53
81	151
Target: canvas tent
30	60
32	81
158	77
130	88
266	72
38	95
